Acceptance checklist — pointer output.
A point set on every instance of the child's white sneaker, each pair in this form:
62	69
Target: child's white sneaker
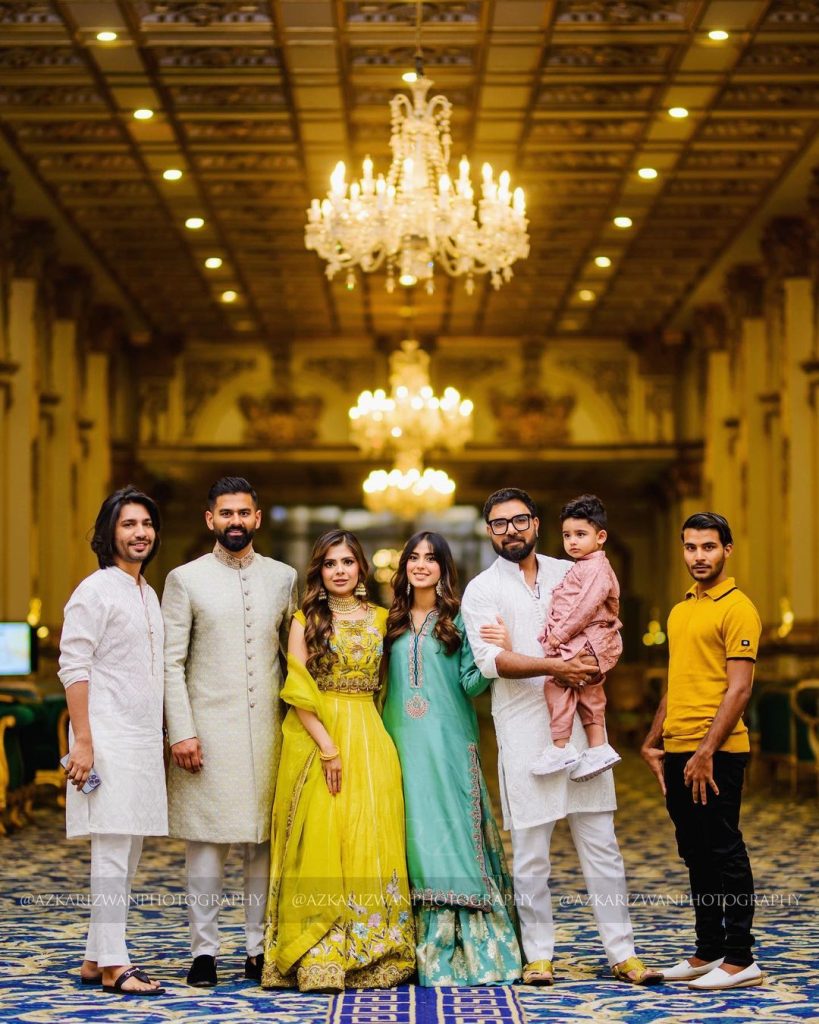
593	762
555	759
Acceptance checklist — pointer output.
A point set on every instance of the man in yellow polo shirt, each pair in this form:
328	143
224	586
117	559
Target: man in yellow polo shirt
697	748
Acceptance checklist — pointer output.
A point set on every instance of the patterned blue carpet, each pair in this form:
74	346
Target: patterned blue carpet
42	931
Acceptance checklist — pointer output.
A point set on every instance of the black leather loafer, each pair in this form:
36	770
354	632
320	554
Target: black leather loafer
253	972
203	971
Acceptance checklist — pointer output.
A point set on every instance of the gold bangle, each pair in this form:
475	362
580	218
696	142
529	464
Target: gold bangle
328	757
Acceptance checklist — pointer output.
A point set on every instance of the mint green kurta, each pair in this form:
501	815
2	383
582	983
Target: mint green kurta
460	887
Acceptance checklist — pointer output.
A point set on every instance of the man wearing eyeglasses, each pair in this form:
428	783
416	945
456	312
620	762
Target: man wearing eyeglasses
506	607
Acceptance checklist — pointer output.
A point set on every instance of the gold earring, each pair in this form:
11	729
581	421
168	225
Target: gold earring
439	589
322	594
361	589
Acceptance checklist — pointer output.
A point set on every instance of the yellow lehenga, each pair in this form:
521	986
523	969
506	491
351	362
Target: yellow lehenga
339	913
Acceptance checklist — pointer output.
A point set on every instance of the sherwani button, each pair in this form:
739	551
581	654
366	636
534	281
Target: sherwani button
253	703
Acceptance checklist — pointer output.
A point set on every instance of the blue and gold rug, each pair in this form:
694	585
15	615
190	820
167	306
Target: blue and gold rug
43	882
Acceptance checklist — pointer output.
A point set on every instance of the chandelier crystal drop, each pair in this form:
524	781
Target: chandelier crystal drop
418	217
411	417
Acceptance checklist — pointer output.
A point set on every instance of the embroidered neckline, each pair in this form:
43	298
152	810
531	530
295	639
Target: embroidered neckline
226	558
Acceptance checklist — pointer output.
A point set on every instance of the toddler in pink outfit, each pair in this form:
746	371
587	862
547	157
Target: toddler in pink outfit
582	616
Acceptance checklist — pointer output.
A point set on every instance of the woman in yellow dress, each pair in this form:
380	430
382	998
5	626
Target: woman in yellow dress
338	912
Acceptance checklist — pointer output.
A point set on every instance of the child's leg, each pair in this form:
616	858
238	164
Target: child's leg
591	706
561	701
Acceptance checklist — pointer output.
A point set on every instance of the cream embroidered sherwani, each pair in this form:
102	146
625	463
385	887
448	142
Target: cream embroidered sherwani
225	622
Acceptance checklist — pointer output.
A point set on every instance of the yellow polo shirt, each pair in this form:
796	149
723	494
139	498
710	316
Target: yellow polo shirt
703	634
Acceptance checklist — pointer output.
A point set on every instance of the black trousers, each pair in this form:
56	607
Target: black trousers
711	844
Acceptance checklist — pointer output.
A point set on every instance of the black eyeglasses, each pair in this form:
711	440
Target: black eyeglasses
501	526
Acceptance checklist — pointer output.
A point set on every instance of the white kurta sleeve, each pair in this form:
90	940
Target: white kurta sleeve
83	629
480	608
178	616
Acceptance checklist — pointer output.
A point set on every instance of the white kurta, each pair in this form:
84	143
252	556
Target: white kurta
113	637
225	622
518	706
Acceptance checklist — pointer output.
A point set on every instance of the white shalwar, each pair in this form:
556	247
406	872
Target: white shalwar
113	637
533	803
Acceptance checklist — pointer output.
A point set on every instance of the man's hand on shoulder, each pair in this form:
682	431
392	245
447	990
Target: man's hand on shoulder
187	754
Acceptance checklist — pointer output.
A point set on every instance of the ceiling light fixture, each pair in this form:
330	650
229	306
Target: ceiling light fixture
647	173
586	295
194	223
106	37
677	112
623	222
718	35
213	262
229	296
418	217
172	174
602	261
143	114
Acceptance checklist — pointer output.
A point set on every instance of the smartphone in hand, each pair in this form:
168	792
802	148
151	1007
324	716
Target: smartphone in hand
91	782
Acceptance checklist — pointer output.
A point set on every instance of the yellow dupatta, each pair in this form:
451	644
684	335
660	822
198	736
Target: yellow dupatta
306	894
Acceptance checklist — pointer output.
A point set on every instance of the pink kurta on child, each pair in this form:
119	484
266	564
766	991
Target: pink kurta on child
583	615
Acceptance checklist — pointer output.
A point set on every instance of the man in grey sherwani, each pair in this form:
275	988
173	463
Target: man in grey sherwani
227	615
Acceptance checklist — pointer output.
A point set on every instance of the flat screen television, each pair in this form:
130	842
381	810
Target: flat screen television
18	649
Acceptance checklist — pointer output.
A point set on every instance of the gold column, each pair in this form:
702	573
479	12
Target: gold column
18	490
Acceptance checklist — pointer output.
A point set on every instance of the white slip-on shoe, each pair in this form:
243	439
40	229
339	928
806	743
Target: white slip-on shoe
719	979
593	762
684	971
555	759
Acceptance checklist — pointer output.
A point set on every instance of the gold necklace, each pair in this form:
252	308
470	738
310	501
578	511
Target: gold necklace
343	605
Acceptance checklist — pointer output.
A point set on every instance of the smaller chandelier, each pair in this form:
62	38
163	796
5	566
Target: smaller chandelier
411	417
407	490
417	217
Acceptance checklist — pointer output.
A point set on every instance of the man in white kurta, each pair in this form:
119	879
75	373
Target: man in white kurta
226	619
532	804
111	667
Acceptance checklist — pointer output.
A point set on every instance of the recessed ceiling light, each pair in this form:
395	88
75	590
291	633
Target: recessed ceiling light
229	296
213	262
194	223
677	112
106	37
143	114
623	222
647	173
172	174
586	295
719	35
602	261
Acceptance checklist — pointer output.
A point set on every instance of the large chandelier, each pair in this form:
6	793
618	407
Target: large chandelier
408	422
411	417
417	216
408	489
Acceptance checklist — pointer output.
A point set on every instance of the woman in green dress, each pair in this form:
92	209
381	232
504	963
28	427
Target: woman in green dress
461	891
338	912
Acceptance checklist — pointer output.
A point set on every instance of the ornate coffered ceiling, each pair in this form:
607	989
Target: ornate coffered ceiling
255	100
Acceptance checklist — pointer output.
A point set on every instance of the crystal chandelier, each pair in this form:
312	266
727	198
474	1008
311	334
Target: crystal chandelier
411	417
409	421
408	490
418	216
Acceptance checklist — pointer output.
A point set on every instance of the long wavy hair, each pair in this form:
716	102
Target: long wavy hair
103	540
317	615
448	602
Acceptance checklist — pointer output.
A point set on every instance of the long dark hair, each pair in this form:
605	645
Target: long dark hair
317	615
448	602
102	543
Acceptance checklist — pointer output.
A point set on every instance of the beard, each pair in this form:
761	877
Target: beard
128	555
712	574
516	554
238	540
